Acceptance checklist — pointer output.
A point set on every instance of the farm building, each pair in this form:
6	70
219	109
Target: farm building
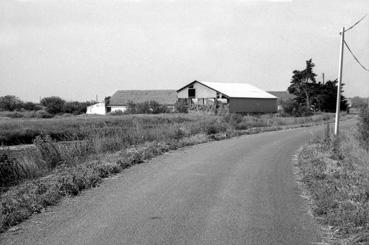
97	109
241	97
120	99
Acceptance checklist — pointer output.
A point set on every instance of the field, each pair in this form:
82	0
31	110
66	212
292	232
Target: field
75	153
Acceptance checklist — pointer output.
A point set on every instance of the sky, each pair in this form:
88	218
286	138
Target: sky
77	49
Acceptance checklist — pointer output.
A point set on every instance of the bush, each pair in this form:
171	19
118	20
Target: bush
53	104
117	113
49	151
43	114
156	108
147	107
291	108
215	127
10	170
10	103
30	106
181	106
75	107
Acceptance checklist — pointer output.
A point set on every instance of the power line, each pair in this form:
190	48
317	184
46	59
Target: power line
353	55
357	22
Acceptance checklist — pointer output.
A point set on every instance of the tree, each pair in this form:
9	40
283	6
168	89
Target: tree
30	106
53	104
10	103
303	84
326	97
75	107
313	95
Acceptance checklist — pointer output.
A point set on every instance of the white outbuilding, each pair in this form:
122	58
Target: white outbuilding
97	109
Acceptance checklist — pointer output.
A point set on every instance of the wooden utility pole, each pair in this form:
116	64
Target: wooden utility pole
340	66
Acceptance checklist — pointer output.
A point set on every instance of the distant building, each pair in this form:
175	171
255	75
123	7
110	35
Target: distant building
97	109
241	97
120	99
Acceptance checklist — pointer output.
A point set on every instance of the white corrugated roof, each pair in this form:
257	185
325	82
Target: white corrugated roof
239	90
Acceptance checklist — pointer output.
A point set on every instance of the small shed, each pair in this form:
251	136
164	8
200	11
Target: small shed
97	109
120	99
241	97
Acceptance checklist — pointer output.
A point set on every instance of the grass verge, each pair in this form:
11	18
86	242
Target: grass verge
335	174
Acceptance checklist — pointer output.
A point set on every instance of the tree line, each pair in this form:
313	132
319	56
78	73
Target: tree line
53	105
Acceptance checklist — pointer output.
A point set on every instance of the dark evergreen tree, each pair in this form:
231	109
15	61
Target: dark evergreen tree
312	95
303	84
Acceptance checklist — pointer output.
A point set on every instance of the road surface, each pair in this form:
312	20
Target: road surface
236	191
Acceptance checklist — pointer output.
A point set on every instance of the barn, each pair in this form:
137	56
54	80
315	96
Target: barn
120	99
241	97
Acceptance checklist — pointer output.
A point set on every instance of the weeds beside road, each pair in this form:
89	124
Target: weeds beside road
56	170
335	173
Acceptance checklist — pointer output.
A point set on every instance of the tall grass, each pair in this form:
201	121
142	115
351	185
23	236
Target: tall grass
98	135
23	131
101	137
335	172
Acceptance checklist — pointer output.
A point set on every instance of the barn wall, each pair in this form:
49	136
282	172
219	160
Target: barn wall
201	92
252	105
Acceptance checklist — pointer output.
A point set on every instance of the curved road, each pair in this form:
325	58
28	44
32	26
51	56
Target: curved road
236	191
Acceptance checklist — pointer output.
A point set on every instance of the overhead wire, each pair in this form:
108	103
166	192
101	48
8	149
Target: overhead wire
353	55
357	22
348	47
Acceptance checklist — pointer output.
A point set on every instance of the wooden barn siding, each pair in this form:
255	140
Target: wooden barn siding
252	105
201	92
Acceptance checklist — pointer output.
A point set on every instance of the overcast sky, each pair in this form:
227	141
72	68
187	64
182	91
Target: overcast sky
76	49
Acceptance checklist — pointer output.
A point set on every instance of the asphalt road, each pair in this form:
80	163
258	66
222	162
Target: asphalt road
236	191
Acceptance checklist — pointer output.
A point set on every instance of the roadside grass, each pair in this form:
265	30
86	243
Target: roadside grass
335	173
33	179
